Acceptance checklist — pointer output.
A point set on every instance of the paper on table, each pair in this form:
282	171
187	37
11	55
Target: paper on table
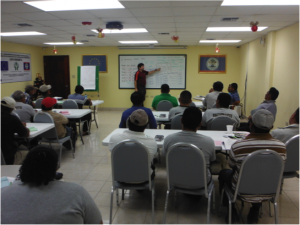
228	143
33	129
218	143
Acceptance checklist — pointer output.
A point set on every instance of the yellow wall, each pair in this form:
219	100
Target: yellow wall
274	64
36	65
198	84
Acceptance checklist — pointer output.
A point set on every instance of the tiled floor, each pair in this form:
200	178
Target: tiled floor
91	168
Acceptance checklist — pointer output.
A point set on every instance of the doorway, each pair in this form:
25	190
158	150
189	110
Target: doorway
57	74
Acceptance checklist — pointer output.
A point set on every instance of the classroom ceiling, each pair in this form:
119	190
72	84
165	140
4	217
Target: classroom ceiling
187	19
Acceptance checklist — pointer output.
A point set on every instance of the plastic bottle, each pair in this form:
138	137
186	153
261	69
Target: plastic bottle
85	96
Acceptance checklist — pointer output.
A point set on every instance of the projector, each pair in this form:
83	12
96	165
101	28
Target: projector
114	25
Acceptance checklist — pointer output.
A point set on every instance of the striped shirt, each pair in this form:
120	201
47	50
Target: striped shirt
241	149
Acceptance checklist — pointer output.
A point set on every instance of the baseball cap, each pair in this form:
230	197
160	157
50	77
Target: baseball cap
45	88
29	87
139	117
262	119
49	102
8	102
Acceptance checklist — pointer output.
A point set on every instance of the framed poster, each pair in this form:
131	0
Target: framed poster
95	60
212	64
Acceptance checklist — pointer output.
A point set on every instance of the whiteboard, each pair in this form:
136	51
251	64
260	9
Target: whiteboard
173	70
88	77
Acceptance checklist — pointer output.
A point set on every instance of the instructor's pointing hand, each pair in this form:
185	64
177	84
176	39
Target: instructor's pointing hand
158	69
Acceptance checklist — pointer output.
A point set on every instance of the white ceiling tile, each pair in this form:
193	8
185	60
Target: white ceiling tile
15	24
195	3
191	19
191	25
54	23
225	24
145	4
277	10
194	11
155	19
135	25
78	14
190	29
122	20
146	12
268	24
294	18
219	18
237	10
266	18
9	18
115	13
159	25
17	7
36	16
161	30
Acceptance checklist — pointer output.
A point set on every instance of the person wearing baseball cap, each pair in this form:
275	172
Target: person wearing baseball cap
60	120
45	91
137	123
30	91
261	122
13	154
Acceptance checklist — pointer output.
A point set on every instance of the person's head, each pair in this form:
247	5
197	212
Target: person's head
191	119
140	66
138	121
137	98
294	117
29	89
79	89
223	100
18	96
48	103
232	87
218	86
272	94
185	98
7	104
45	89
261	121
165	88
39	166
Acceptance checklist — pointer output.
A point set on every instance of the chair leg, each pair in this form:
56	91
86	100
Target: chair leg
166	207
80	132
153	205
123	194
73	149
230	209
221	202
60	150
158	155
111	204
270	210
214	200
276	212
117	196
208	209
260	214
281	185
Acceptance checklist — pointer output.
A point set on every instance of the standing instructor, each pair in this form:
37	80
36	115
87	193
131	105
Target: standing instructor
140	78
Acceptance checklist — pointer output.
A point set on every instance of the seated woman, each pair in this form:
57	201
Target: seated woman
81	100
39	199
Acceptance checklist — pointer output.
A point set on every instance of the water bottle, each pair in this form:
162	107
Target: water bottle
85	96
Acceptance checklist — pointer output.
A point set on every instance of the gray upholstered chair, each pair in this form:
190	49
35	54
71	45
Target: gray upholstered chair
164	106
38	103
220	123
176	122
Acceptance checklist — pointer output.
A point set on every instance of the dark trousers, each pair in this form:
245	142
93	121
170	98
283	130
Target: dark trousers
142	89
225	177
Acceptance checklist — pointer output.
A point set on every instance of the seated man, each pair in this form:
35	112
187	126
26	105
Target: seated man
30	93
221	109
165	90
285	133
25	111
137	99
58	202
260	125
191	122
269	103
137	124
235	97
60	121
184	99
13	154
81	100
211	97
45	91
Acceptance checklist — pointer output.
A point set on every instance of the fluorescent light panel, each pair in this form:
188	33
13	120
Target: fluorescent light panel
259	2
62	43
138	42
219	41
232	29
135	30
68	5
26	33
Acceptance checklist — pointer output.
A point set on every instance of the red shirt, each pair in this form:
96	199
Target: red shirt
140	77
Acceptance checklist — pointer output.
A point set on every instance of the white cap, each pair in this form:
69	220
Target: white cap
45	88
8	102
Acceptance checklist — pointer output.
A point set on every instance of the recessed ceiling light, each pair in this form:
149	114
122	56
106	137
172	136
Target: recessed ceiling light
138	42
26	33
219	41
232	29
62	43
135	30
68	5
259	2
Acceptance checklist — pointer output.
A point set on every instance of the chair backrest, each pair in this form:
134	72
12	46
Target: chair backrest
292	154
164	106
38	103
43	117
220	123
130	162
260	173
176	122
186	167
2	159
192	104
69	104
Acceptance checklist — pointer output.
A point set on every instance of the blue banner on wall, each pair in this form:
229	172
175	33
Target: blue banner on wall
95	60
212	64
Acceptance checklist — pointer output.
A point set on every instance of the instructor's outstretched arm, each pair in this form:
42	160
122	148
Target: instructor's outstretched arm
153	71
